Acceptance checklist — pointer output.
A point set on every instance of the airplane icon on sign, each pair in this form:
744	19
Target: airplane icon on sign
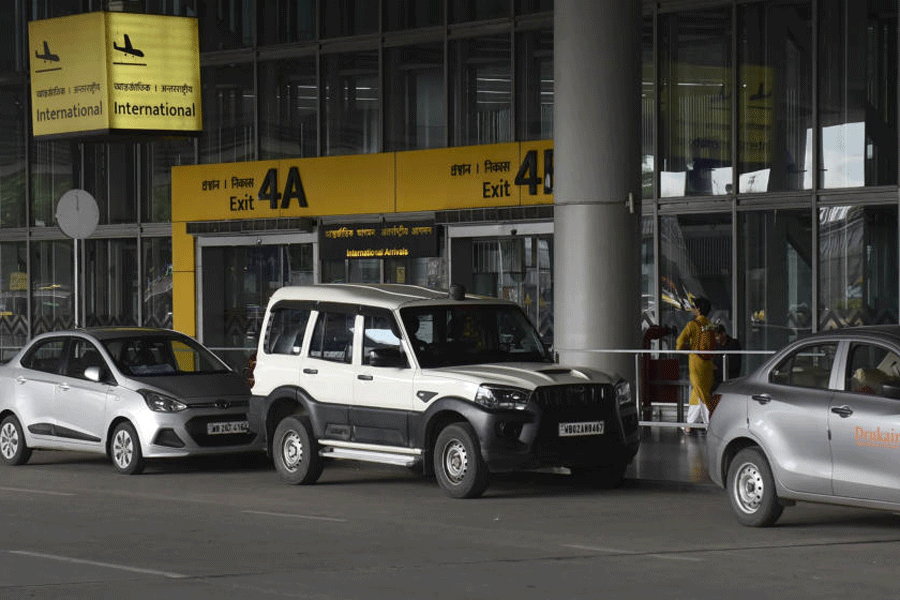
128	48
47	55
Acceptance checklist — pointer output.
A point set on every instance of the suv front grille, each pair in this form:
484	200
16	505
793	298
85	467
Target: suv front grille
571	396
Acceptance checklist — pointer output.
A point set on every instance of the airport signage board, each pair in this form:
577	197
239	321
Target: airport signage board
107	72
385	239
513	174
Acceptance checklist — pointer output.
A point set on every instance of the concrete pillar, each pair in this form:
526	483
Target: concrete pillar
597	164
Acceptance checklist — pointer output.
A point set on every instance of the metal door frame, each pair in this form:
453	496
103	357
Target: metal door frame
255	239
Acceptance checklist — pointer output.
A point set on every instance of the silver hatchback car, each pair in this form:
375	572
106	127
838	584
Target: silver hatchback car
132	394
818	422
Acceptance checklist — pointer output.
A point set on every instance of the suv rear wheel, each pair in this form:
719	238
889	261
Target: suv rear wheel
296	452
458	465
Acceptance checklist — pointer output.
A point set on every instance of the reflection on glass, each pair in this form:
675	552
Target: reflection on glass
348	17
52	304
13	297
775	51
157	282
857	265
428	272
161	156
288	109
284	21
229	107
12	157
481	90
111	177
695	260
410	14
648	108
649	308
534	85
226	24
857	93
352	97
476	10
110	285
414	97
695	103
776	270
52	175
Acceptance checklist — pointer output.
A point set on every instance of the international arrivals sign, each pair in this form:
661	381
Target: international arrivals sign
105	72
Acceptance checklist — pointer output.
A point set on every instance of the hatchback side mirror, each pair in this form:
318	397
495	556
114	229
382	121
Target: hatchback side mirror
387	357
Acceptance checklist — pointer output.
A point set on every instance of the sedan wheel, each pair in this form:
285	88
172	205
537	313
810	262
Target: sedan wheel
751	489
12	442
125	450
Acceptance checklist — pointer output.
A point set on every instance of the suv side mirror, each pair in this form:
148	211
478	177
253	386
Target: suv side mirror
387	357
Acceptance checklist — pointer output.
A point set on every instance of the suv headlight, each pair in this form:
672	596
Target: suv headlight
623	393
161	403
494	396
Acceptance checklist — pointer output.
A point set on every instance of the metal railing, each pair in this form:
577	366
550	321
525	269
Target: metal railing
683	383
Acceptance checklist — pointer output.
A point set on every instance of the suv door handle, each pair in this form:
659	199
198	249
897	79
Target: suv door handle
365	377
310	371
845	411
762	398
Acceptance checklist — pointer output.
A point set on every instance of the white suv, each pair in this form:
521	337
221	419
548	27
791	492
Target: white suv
404	375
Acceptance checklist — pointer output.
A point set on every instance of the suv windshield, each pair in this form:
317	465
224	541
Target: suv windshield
469	333
162	355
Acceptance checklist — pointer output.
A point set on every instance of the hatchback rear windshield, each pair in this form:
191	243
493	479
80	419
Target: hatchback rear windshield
147	356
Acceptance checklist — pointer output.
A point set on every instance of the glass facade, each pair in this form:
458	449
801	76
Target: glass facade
769	153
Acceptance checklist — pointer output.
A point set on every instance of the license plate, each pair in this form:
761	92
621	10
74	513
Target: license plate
582	428
227	427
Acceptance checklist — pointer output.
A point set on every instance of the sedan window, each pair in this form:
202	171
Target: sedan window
83	355
870	368
808	367
45	356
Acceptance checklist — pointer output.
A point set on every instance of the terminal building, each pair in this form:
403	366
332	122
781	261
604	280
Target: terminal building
742	151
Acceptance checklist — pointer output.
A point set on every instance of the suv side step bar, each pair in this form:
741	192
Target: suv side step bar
403	457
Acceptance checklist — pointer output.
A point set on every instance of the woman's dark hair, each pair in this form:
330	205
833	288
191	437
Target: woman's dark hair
702	305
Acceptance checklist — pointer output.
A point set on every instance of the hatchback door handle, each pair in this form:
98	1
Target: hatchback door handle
845	411
310	371
20	379
64	387
365	377
762	398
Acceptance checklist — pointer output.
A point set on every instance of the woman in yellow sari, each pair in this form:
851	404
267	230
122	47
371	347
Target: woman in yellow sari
699	334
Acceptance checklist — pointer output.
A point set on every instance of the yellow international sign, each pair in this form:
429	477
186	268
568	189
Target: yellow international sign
99	72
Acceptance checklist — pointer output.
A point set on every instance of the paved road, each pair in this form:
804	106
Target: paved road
71	528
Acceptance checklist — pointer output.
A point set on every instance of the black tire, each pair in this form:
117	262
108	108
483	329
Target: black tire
458	465
125	450
12	442
605	477
295	451
751	489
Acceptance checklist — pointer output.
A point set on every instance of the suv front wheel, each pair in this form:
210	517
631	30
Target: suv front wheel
296	452
458	465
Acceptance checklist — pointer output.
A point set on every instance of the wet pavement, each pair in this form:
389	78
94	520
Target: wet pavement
667	454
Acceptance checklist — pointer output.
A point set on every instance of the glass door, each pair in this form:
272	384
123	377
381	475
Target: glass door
237	278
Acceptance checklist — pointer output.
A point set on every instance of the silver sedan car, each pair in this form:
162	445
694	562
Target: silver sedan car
818	422
132	394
